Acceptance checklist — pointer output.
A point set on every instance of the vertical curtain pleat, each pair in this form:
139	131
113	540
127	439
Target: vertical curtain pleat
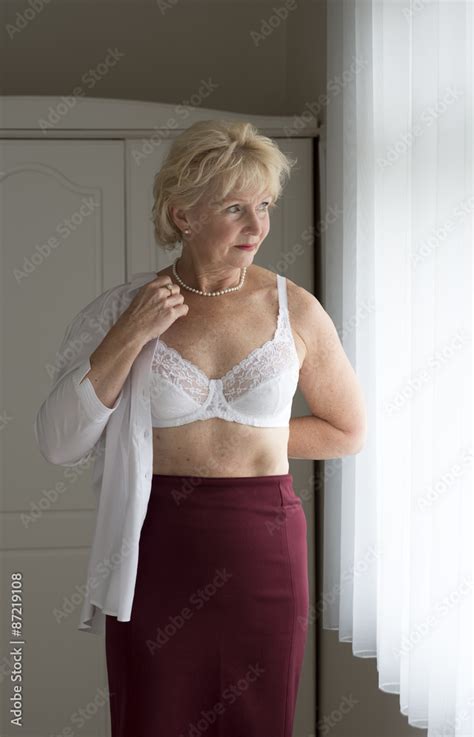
398	283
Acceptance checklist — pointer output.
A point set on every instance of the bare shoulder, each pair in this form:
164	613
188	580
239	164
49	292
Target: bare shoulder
300	301
308	317
310	323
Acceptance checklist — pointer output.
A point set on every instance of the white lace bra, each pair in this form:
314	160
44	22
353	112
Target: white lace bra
257	391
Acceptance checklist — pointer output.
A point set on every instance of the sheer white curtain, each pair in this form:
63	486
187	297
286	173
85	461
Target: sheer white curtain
398	283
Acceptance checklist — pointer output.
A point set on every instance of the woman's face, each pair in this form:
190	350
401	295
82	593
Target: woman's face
215	233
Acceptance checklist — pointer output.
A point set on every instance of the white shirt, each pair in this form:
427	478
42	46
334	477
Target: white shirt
70	429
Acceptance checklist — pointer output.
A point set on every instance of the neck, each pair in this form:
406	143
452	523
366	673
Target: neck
207	279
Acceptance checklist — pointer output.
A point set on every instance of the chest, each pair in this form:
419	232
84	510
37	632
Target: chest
242	368
218	343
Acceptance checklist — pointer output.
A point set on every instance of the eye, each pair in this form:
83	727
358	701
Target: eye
266	202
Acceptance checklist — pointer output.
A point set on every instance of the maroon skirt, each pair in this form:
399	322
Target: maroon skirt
218	627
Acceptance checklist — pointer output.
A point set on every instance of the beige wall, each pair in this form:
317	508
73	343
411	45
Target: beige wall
168	48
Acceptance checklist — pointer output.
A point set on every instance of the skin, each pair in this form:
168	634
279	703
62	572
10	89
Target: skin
237	323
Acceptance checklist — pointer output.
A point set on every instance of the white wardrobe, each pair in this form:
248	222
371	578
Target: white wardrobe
75	209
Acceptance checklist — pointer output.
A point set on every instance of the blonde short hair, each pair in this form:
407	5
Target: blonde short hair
212	158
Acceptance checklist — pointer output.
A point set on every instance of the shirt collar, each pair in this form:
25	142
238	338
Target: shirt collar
142	277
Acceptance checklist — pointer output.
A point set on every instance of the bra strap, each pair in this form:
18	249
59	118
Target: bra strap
282	295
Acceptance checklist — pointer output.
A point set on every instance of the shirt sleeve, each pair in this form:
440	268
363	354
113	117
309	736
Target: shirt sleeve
72	418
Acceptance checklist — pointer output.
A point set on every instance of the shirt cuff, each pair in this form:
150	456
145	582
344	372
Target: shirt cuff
95	409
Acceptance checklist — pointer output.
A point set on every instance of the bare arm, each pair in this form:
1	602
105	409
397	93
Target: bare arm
149	314
111	362
73	417
337	425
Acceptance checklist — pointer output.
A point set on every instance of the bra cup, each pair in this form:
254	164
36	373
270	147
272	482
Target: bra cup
262	400
266	399
180	391
169	403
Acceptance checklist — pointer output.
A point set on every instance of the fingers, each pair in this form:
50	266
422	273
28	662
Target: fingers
165	283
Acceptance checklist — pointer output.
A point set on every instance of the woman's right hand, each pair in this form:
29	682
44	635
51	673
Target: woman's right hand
153	309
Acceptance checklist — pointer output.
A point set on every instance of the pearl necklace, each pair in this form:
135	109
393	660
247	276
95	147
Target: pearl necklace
209	294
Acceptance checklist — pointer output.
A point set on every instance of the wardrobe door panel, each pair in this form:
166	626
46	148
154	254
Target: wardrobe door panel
143	161
63	243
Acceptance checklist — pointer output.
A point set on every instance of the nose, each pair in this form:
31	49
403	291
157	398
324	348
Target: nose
253	222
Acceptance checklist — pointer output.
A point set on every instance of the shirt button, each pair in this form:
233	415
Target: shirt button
146	433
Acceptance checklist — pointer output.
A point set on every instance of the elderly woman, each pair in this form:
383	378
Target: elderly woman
215	641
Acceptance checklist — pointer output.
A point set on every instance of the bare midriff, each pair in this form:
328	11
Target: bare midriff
217	447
